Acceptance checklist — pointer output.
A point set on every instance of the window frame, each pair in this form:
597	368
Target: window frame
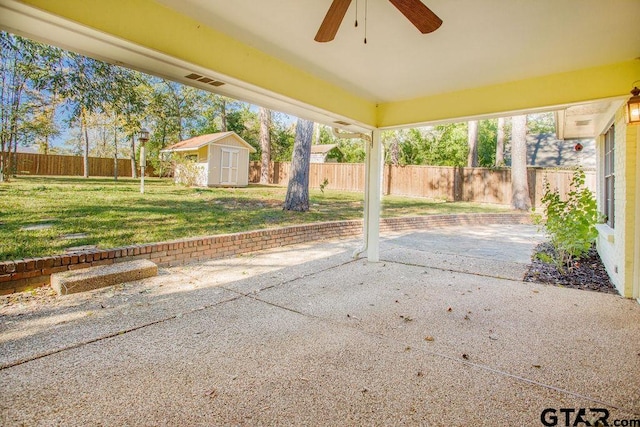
609	177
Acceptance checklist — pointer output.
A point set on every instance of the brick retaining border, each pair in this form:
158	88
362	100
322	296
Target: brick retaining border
24	274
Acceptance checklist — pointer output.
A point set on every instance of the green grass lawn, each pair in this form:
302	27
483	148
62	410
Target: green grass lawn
39	215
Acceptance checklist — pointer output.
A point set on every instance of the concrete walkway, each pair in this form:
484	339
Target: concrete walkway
442	332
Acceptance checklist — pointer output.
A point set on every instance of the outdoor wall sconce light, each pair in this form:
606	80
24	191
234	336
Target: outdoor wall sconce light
633	105
143	137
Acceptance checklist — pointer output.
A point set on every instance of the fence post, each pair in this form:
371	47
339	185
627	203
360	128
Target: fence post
458	183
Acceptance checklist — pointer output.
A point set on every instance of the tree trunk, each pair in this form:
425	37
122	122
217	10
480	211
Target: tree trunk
298	190
472	138
265	144
83	124
394	151
134	171
500	143
519	184
223	114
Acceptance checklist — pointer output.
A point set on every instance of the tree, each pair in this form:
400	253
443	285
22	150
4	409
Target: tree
500	142
89	87
129	101
265	144
282	137
26	68
472	140
297	198
519	184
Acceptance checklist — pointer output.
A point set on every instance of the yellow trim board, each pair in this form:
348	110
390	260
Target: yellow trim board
551	90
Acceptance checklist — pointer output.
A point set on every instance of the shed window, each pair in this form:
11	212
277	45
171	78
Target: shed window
609	176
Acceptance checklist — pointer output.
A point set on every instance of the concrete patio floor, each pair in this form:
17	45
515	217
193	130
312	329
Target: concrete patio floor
441	332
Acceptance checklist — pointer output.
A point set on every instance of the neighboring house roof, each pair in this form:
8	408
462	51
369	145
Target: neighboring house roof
322	148
545	150
30	149
202	140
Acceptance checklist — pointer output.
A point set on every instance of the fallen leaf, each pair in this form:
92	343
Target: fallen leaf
449	309
420	373
212	393
429	338
536	366
465	356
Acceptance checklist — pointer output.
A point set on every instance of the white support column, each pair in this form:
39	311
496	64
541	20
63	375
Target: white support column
372	197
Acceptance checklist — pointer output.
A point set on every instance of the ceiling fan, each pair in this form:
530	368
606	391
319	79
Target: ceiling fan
420	15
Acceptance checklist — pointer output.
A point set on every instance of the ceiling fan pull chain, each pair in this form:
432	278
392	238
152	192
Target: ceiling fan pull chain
356	14
366	9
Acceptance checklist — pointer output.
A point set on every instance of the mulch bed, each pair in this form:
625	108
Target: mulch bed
587	273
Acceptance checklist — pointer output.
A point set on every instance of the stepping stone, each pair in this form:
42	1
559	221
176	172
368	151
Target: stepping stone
36	227
73	281
74	236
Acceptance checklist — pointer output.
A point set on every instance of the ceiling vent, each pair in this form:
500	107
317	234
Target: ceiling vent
203	79
583	122
340	122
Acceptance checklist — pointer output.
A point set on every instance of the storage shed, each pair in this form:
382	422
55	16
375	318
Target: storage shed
214	160
326	153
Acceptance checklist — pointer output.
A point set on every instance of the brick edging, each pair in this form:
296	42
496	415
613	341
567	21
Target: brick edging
29	273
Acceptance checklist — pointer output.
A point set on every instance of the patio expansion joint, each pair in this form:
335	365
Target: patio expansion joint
255	297
451	270
286	282
482	367
113	334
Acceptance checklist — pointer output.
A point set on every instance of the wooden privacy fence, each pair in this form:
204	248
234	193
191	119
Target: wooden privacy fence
481	185
50	164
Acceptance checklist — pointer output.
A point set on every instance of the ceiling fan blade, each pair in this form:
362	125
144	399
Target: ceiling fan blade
420	15
332	20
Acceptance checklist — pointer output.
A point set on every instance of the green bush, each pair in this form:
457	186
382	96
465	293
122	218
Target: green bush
571	223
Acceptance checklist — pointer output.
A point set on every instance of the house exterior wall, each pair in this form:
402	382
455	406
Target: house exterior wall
618	246
636	262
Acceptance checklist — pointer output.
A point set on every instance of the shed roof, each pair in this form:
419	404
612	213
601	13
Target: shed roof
322	148
202	140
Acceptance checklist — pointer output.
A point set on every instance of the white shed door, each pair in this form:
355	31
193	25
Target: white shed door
229	166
